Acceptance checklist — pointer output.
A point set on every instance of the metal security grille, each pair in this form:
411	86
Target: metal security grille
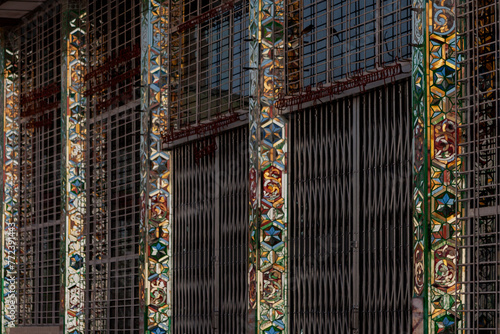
113	295
385	239
113	84
210	233
39	229
329	40
208	55
479	246
350	214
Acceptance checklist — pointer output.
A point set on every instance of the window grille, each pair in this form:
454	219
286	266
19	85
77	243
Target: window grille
329	40
478	24
212	77
40	154
113	176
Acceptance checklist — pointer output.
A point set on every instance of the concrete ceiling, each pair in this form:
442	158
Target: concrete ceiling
12	12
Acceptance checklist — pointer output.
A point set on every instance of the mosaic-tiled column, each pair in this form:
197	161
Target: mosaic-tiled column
268	262
10	182
155	244
435	167
73	196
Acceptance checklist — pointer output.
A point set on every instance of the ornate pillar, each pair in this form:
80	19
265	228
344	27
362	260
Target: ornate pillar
10	181
436	164
155	245
268	244
73	196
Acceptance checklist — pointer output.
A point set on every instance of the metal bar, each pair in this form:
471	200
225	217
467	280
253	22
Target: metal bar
355	238
216	260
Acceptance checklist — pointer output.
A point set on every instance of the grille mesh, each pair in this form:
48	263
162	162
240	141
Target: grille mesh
479	246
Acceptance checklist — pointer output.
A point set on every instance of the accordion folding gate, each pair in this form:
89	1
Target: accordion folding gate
373	212
349	238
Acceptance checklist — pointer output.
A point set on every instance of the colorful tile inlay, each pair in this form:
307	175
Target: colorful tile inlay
10	186
156	213
435	126
268	175
73	107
